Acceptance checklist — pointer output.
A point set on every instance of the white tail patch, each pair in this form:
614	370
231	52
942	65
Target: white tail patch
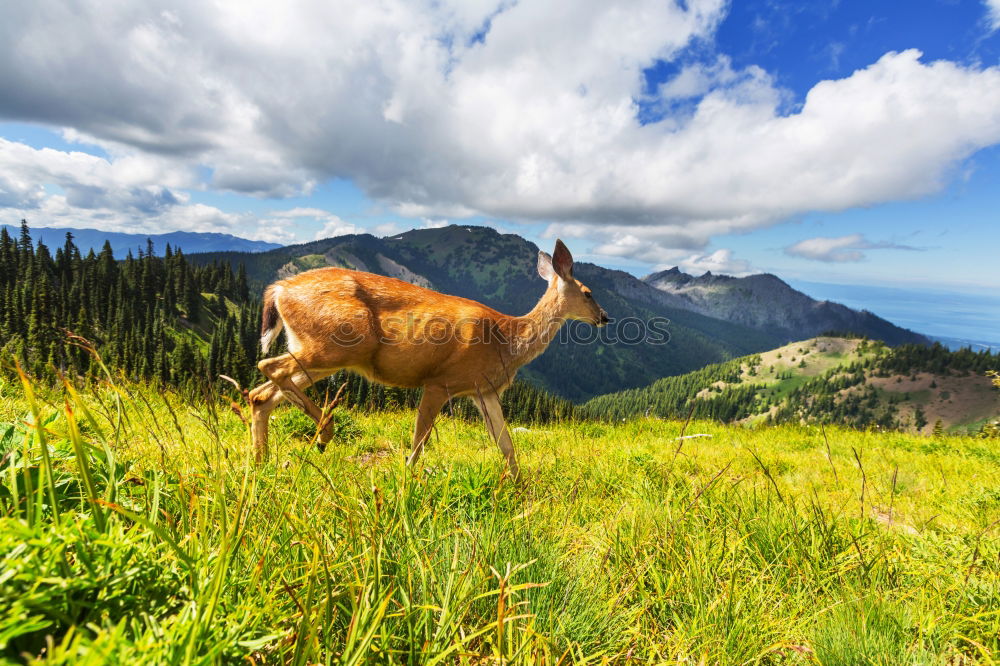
272	322
268	337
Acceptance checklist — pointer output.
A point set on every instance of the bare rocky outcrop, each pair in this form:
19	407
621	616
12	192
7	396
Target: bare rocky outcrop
398	270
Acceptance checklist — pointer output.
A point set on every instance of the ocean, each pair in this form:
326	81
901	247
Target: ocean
955	318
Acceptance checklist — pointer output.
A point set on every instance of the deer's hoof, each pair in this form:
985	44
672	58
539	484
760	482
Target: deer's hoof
325	435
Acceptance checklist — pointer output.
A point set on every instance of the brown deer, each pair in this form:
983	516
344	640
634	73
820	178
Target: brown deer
400	334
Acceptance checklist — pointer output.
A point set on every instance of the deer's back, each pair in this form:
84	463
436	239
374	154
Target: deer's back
392	331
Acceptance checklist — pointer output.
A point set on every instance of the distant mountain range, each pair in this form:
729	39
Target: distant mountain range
711	319
955	344
122	243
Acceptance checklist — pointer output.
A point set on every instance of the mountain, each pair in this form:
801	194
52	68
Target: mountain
499	270
122	243
765	302
846	381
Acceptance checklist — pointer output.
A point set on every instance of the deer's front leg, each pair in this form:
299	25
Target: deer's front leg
431	403
489	407
263	400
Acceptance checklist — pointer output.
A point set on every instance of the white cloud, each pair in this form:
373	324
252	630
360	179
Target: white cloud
386	229
338	227
993	13
720	261
294	213
698	79
333	225
664	245
136	183
840	249
521	111
132	192
267	233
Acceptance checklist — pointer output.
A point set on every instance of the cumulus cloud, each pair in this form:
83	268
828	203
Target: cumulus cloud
333	225
300	211
337	227
386	229
663	245
840	249
133	192
520	111
720	261
136	183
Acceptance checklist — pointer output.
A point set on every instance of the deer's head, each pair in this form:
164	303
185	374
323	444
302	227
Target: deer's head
573	300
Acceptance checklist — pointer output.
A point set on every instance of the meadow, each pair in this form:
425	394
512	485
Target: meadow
135	528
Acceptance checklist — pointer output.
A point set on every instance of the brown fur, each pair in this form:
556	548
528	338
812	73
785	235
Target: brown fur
399	334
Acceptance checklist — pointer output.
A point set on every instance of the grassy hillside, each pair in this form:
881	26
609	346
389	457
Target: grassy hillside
133	529
847	381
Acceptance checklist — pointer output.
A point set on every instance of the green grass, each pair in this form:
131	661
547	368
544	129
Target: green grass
134	528
310	261
781	388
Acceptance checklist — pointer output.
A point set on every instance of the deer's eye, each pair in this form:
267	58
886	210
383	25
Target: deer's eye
588	294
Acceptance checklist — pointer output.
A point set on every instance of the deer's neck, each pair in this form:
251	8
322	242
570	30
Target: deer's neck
534	331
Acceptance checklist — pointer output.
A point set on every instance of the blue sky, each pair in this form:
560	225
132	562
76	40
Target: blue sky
846	142
957	229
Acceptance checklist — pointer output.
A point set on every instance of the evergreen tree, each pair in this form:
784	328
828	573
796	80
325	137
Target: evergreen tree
126	309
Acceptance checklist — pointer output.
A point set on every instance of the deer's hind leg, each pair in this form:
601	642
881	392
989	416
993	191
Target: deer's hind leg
431	403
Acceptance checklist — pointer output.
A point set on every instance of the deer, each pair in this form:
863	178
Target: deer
401	334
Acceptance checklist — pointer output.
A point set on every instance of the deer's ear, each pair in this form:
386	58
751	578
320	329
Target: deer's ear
562	261
545	270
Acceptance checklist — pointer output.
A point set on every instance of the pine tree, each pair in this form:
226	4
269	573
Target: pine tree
25	244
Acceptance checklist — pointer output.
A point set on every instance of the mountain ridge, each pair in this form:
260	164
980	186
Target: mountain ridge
766	302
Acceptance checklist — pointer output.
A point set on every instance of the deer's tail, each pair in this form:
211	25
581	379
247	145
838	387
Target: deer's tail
271	323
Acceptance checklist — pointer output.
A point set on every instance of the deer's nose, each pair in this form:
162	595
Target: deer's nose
603	321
